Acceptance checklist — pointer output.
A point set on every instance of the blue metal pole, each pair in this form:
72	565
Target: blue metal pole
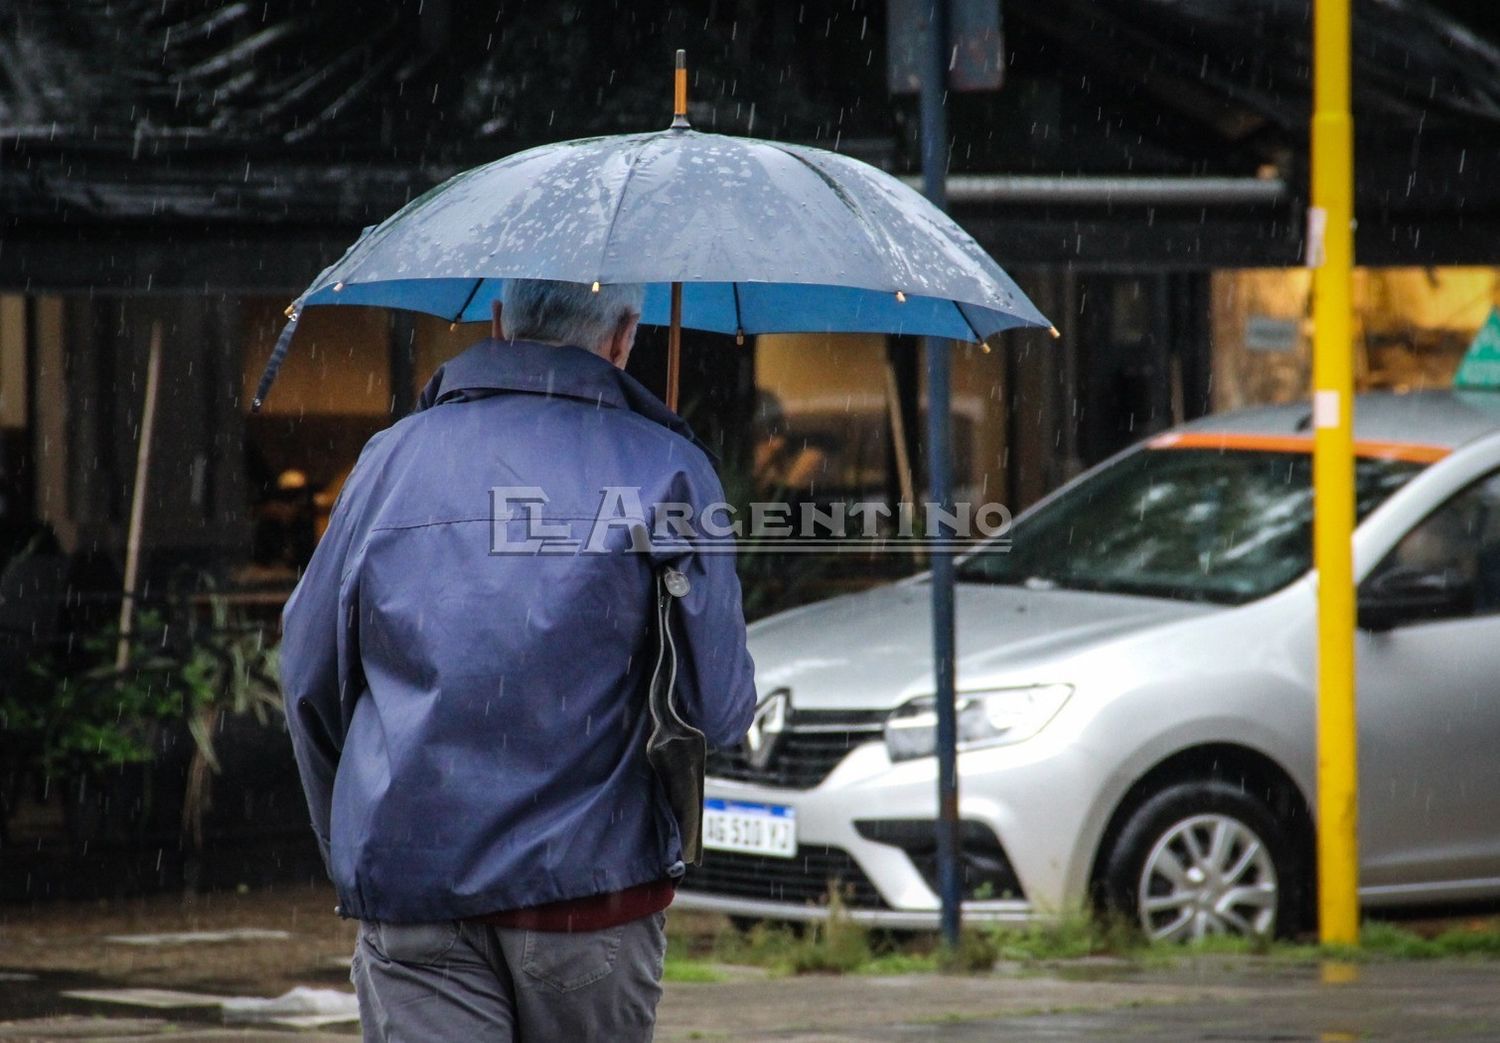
940	482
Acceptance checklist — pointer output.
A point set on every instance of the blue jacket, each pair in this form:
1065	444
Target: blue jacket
470	726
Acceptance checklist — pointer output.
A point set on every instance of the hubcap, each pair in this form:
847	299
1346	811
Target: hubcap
1209	874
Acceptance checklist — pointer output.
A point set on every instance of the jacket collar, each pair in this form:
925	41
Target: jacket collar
495	366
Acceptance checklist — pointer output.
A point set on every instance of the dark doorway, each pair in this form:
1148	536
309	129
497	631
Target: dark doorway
1143	357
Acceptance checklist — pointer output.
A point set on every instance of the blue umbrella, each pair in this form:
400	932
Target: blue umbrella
761	236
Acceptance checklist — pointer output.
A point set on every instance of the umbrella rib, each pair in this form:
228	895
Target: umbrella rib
620	202
739	320
468	300
832	184
968	322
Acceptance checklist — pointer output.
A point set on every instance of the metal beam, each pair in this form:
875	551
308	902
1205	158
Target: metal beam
1022	189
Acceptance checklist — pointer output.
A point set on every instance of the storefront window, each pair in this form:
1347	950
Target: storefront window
822	415
828	405
1411	329
333	393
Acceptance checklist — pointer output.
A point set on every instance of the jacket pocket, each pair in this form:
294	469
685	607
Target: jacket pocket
414	942
568	961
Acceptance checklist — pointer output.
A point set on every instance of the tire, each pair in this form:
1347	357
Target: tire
1202	858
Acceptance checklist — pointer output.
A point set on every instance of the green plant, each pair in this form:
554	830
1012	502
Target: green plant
227	669
765	944
976	953
1063	938
836	945
76	714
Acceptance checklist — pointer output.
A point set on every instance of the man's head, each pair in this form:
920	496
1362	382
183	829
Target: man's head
575	313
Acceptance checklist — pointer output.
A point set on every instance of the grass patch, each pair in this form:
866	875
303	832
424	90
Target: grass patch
1159	954
840	946
1064	938
1382	939
833	946
1378	940
899	962
686	969
977	952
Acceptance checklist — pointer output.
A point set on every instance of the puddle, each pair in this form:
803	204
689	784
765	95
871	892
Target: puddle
238	934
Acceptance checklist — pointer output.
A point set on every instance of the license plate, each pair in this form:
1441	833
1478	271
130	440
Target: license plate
761	829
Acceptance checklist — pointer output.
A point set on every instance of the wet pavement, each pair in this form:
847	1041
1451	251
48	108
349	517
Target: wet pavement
1242	999
1223	999
48	954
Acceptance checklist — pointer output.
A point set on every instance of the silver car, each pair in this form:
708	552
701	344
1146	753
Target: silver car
1136	686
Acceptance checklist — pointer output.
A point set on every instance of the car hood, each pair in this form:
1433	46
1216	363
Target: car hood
874	650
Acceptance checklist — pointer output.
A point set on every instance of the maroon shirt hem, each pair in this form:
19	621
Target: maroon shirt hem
593	913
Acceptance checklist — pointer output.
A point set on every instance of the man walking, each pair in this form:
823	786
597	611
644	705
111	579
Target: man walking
465	668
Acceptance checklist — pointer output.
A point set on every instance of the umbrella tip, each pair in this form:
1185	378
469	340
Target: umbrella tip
679	93
1053	330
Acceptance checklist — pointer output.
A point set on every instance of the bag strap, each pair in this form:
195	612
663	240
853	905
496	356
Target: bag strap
671	584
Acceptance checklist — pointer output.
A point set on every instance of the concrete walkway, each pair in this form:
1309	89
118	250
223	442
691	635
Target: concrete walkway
1209	1000
265	943
1218	1000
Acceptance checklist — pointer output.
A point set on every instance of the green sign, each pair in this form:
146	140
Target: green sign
1480	369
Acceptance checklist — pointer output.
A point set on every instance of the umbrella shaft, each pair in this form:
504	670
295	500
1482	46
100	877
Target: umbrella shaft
674	347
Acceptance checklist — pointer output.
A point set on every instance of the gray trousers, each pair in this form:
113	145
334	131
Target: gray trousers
436	982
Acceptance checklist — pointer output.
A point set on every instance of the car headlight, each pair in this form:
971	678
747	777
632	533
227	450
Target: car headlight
990	718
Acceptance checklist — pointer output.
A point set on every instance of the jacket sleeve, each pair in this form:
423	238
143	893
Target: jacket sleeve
313	676
716	678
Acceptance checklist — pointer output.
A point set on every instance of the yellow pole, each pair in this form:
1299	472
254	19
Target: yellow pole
1331	253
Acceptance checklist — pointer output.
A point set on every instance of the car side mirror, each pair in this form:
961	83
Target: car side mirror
1410	594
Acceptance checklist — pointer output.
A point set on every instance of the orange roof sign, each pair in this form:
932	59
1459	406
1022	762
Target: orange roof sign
1412	452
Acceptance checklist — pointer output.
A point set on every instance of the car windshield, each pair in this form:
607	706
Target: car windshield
1225	526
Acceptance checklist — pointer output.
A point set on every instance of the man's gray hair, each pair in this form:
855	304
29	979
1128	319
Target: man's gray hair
566	312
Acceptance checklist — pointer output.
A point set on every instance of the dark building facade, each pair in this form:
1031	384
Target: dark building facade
185	167
195	163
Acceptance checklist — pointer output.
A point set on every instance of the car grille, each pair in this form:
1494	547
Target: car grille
805	878
811	748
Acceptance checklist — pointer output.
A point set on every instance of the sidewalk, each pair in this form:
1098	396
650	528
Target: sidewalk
49	951
1222	999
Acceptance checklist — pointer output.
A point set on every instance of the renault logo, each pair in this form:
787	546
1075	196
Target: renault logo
767	727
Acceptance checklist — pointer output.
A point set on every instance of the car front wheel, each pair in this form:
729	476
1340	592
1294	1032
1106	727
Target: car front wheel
1204	858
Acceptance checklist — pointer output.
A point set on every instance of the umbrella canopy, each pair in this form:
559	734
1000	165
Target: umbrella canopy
764	237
